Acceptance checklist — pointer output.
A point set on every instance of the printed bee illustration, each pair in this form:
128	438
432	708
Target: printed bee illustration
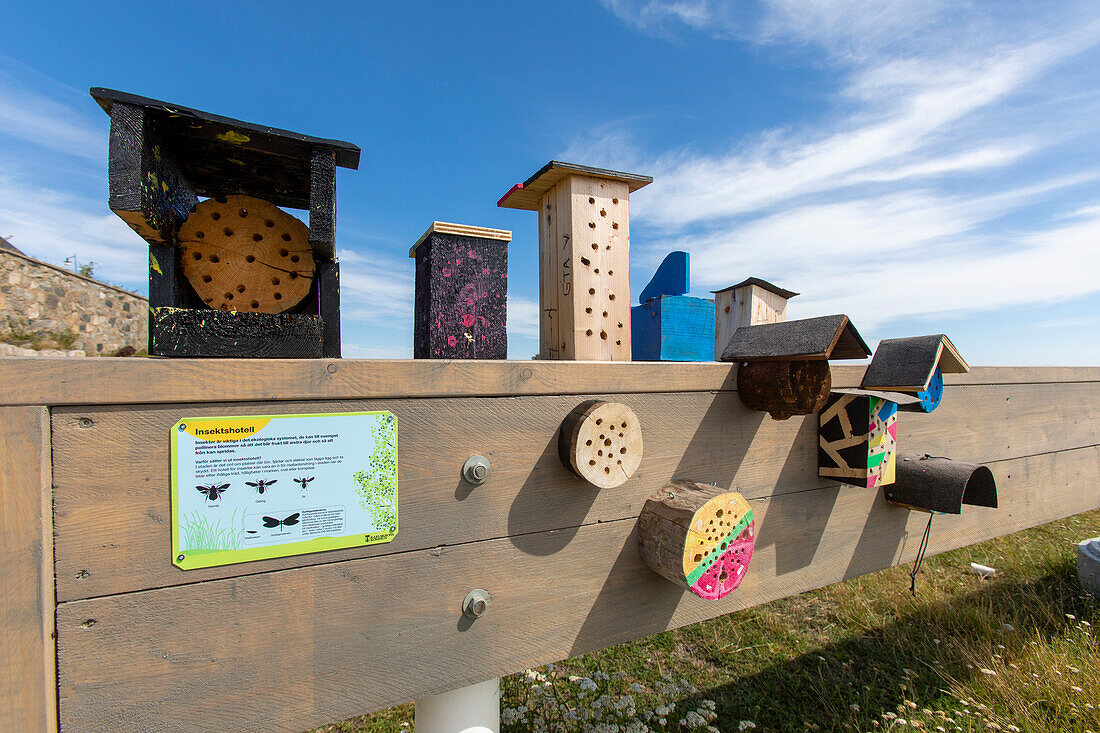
262	485
213	493
288	522
304	481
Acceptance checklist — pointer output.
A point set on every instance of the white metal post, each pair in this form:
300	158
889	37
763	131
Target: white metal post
471	709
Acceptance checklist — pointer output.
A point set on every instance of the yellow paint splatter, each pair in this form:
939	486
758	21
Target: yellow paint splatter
234	137
164	186
234	160
154	264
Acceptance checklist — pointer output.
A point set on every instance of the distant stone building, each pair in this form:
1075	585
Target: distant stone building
38	296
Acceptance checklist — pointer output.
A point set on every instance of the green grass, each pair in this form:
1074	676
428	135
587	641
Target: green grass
1016	651
202	535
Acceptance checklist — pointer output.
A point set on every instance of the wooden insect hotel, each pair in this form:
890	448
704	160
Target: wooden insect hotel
784	366
750	302
670	325
916	366
461	297
233	274
857	437
584	258
428	525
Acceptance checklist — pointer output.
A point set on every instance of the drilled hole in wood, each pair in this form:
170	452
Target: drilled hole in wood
622	450
596	271
727	309
618	342
257	237
588	332
605	314
611	296
229	296
250	258
588	442
216	215
215	259
240	288
274	281
585	261
607	442
200	235
255	304
284	252
592	291
242	213
269	223
620	324
614	225
603	212
221	199
227	232
286	237
614	201
595	246
591	200
295	258
591	225
294	276
599	453
606	469
603	335
196	255
278	296
587	310
592	462
206	278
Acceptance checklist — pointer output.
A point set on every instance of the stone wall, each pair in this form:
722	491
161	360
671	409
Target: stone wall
37	296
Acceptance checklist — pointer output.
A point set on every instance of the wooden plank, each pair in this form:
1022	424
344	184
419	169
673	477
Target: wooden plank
696	436
465	230
529	194
38	381
360	635
28	693
186	332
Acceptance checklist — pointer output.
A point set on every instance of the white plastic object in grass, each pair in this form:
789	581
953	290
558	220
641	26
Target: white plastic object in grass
983	570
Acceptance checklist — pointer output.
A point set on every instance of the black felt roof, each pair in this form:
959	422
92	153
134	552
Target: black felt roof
824	337
908	363
941	484
760	284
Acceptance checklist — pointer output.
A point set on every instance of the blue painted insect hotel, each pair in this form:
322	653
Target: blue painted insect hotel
230	273
916	366
461	292
669	325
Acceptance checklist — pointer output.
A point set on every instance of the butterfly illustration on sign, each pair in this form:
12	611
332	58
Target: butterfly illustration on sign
271	522
304	481
262	485
213	493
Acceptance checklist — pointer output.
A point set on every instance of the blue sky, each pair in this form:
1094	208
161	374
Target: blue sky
922	166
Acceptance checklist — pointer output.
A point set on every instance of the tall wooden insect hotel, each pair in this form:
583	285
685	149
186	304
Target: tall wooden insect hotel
243	544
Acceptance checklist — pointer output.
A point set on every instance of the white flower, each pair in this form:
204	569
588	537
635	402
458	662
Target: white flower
663	709
1009	627
585	684
983	670
693	720
1075	688
746	725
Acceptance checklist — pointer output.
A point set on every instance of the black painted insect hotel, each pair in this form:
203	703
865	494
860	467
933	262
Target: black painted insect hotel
232	275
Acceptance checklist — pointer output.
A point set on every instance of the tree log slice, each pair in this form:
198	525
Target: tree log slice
244	254
602	443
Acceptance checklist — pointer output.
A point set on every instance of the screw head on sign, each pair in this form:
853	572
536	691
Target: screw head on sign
476	603
477	470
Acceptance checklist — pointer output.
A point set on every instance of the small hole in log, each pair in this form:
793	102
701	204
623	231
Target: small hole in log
242	213
605	314
215	216
588	442
599	453
293	276
294	258
585	261
603	212
611	296
229	296
591	225
599	421
698	558
249	258
278	296
592	291
591	200
200	235
255	304
284	252
620	324
592	462
727	309
618	342
606	469
596	271
197	256
268	223
587	310
214	258
622	450
595	246
603	335
607	442
228	232
588	332
206	278
610	272
274	281
240	288
257	237
221	199
286	237
614	225
614	201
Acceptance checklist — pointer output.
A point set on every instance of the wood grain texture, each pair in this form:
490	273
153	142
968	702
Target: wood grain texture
105	544
360	635
28	700
36	381
186	332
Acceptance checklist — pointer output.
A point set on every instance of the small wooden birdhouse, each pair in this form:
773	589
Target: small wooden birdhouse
942	485
748	303
858	437
584	258
460	308
669	325
915	365
784	367
234	274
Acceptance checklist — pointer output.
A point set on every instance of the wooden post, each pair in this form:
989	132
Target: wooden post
584	258
28	684
461	298
748	303
698	536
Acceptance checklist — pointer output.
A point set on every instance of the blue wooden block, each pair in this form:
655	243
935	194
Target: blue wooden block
672	328
671	277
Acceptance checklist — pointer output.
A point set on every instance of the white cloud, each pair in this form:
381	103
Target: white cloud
29	115
523	316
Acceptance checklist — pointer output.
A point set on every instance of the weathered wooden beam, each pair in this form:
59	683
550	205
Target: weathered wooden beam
187	332
28	685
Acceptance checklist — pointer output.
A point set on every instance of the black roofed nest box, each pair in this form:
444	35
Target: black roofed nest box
941	485
915	365
232	275
785	366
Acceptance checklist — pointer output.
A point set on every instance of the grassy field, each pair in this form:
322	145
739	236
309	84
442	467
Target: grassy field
1015	652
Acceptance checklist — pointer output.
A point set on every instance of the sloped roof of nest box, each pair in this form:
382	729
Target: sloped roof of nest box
824	337
907	364
527	195
771	288
220	155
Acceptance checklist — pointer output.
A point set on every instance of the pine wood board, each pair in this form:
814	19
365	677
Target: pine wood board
465	230
360	635
112	532
28	699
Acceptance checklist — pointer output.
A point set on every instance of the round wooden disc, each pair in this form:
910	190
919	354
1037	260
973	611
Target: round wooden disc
711	527
604	443
244	254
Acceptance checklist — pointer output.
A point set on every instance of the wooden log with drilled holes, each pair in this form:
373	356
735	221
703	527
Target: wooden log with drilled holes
601	442
241	253
698	536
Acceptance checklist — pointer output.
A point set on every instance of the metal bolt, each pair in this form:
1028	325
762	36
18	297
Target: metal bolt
476	603
476	470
